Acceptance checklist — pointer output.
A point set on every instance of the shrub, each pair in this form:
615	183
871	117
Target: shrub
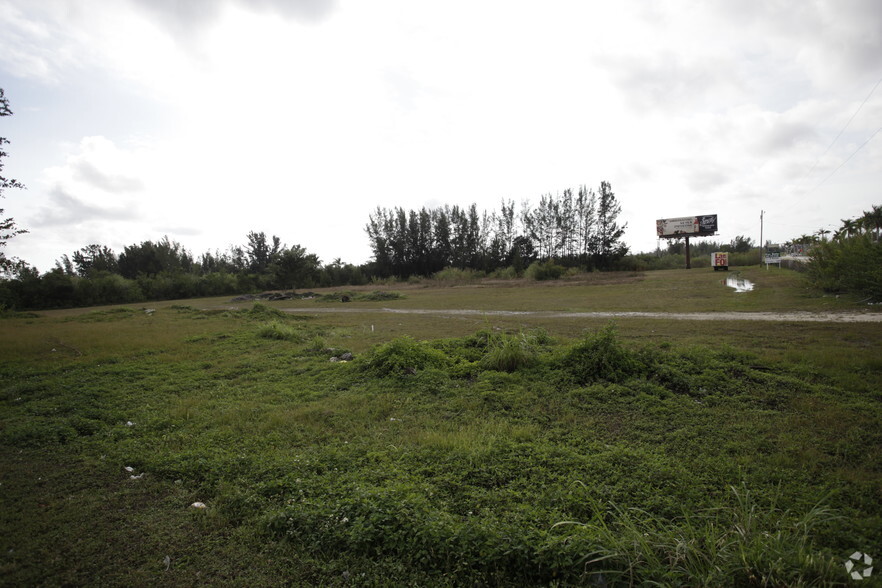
454	274
544	270
404	356
504	273
851	264
600	357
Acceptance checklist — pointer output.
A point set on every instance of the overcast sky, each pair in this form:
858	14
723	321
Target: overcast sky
204	120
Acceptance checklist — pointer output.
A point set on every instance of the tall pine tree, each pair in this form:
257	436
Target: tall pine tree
610	247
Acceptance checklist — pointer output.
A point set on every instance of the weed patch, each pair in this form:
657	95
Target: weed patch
103	316
281	331
600	357
402	357
509	353
499	457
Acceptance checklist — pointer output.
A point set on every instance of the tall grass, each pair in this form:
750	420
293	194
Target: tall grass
508	353
742	543
278	330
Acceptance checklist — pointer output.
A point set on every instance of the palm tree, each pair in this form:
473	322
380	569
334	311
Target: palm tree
850	228
872	221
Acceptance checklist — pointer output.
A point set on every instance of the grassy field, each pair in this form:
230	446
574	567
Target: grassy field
459	450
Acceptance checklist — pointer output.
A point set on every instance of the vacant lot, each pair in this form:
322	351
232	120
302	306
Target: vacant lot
452	449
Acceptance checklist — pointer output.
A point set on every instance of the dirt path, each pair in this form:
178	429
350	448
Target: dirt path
800	317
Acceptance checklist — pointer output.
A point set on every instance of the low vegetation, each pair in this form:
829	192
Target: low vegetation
851	262
505	456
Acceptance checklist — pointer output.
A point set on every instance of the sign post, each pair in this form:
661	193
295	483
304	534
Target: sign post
772	254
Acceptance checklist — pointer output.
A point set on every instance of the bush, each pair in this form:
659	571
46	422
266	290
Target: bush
453	274
544	270
848	265
404	356
600	357
504	273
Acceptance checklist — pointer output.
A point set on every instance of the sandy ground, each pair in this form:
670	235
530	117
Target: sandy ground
793	317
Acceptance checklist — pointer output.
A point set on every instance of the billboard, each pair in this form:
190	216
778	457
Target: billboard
687	226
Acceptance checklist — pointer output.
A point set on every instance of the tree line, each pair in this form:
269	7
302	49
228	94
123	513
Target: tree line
165	270
575	228
578	228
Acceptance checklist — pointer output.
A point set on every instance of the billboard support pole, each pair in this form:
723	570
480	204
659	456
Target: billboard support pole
688	258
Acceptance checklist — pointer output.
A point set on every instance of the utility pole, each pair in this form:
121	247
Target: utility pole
762	243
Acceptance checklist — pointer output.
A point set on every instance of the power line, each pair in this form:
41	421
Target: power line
848	159
836	138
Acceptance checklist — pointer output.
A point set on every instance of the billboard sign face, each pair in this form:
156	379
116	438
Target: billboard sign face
687	226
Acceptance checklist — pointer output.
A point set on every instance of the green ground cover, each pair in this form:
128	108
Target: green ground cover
466	450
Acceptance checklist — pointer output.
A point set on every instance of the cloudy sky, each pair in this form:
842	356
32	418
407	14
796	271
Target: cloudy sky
205	119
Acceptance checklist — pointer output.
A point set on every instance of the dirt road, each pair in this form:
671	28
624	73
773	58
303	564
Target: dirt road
792	317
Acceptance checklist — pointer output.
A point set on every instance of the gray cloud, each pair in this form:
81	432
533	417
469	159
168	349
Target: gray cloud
664	80
66	209
769	53
90	174
842	37
706	178
186	17
785	135
304	10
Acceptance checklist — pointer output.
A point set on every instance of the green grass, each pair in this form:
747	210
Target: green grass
468	450
697	290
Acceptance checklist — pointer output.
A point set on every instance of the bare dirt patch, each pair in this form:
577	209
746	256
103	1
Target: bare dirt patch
804	317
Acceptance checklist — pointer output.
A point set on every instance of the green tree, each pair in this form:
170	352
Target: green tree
95	258
609	233
742	244
151	258
295	268
8	228
261	252
379	232
871	221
